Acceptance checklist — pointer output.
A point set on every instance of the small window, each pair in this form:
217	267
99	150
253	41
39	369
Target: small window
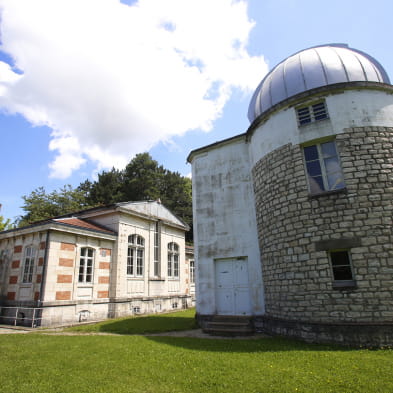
341	268
86	265
173	260
28	266
192	271
311	113
135	255
136	310
323	167
157	267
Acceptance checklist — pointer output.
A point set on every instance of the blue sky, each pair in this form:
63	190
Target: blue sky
192	77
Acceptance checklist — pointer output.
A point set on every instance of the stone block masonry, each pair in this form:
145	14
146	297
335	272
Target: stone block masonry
293	226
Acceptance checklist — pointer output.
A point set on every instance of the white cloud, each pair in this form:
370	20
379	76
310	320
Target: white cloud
113	80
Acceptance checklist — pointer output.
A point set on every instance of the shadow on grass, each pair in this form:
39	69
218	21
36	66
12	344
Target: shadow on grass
148	324
265	344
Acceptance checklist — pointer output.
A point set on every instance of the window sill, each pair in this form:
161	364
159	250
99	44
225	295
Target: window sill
156	279
344	284
327	193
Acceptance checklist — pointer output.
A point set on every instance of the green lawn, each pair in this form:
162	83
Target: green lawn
37	363
181	320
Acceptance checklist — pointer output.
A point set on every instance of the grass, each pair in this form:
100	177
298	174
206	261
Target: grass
38	363
181	320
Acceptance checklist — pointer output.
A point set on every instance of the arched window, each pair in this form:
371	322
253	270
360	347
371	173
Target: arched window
28	266
135	255
173	260
86	265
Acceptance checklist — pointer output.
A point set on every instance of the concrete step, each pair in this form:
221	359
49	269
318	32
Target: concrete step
229	325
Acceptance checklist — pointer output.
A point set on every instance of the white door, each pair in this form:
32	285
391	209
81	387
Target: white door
232	289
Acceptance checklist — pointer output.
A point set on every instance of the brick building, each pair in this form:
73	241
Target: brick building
293	218
127	258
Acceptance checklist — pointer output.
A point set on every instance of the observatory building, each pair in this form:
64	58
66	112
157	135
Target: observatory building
293	218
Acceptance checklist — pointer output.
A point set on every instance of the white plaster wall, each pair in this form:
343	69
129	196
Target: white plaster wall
360	108
224	220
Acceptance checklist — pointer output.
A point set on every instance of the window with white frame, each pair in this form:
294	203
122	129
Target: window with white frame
28	265
173	260
323	167
311	113
192	271
86	263
157	267
135	255
341	266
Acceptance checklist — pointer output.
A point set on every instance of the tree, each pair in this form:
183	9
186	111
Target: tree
107	189
142	179
39	205
5	224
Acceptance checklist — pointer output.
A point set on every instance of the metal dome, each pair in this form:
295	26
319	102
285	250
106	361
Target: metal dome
314	67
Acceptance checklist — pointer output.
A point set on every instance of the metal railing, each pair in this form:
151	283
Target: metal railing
21	316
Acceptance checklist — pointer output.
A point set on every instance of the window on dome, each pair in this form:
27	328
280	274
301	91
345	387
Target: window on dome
323	167
312	113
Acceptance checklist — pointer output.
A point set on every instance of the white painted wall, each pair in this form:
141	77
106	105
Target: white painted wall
224	220
349	108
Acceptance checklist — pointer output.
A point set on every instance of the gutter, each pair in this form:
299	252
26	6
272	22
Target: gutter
44	269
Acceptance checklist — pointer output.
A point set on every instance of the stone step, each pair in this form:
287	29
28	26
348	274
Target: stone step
229	332
229	325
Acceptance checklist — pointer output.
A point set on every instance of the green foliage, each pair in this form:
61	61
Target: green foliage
129	364
182	320
5	224
40	205
142	179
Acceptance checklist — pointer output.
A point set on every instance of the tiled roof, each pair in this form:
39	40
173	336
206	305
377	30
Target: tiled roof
77	222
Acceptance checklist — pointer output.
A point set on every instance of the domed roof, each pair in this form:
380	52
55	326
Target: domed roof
314	67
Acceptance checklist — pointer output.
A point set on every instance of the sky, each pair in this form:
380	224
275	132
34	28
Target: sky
87	84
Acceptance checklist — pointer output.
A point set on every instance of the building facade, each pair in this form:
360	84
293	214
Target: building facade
123	259
293	219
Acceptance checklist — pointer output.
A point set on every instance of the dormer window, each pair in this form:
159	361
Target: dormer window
311	113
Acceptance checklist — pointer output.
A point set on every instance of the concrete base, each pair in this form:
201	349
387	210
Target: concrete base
348	334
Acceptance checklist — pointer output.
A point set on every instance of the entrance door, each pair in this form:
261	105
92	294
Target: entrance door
232	289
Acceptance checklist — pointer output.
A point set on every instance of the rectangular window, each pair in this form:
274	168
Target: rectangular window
192	271
341	268
86	265
311	113
135	255
157	268
323	167
28	267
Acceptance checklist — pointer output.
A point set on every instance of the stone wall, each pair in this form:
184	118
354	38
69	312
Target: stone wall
296	230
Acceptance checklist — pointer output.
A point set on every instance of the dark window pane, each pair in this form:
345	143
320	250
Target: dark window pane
342	273
314	168
311	153
339	258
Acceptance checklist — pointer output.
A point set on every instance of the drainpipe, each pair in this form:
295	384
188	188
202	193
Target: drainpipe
44	272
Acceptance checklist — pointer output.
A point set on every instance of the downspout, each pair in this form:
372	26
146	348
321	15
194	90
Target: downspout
44	272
